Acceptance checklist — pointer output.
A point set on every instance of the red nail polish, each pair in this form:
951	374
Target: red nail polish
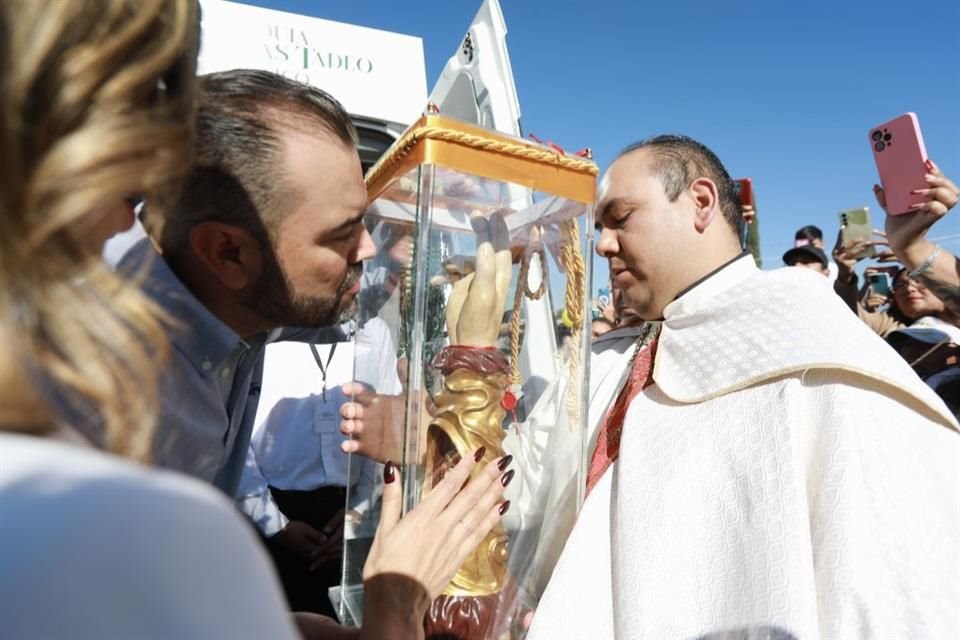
929	164
504	463
504	507
507	477
389	474
479	454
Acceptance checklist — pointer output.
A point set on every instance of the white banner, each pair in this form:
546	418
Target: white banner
377	74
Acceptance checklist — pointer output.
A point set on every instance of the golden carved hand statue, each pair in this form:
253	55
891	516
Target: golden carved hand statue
467	412
476	305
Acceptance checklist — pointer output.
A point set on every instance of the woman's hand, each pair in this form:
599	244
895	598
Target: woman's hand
847	256
940	195
431	542
414	557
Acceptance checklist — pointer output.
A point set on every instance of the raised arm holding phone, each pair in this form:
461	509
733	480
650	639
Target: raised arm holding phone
915	195
936	268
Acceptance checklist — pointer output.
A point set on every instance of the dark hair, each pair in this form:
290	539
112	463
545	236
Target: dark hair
237	176
809	232
679	160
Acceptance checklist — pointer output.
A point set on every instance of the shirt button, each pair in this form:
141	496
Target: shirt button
207	365
224	372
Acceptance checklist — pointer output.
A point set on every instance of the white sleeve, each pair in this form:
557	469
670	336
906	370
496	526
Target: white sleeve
376	358
255	500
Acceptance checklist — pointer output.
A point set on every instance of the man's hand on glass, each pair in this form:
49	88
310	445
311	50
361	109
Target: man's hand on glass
374	423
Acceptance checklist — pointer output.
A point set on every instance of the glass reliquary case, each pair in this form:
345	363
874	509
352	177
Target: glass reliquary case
476	311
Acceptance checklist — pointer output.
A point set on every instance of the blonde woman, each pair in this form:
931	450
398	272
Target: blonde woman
97	104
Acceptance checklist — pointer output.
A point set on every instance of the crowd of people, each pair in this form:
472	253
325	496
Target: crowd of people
898	303
767	456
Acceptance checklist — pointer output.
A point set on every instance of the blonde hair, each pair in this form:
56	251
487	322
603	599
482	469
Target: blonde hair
96	104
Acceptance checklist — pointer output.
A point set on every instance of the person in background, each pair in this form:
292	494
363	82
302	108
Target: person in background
916	323
808	257
296	479
910	300
932	350
935	268
599	326
98	106
811	235
932	347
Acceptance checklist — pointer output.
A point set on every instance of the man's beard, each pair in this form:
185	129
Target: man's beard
272	298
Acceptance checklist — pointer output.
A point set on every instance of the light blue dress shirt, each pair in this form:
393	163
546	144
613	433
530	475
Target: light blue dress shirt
296	440
211	386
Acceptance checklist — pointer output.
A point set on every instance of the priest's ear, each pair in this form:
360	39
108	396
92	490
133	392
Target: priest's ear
230	254
706	198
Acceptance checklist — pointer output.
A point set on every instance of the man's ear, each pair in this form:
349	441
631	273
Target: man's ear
231	254
707	199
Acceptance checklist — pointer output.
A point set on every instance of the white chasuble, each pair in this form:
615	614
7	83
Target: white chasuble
787	474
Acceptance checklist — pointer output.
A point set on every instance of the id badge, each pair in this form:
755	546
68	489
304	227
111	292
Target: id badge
326	421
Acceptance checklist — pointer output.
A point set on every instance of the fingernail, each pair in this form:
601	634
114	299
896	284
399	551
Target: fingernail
479	454
504	507
389	475
507	477
504	463
929	164
916	192
876	187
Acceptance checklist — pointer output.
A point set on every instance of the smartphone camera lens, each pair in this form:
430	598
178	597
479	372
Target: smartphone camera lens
876	135
887	137
880	146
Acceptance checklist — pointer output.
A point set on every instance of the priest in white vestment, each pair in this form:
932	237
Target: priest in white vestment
780	471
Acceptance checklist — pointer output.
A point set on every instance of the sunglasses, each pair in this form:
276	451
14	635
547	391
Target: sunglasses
904	282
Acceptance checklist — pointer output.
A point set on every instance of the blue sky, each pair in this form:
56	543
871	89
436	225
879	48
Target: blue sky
783	92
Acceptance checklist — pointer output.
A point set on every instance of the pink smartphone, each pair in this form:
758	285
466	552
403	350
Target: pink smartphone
901	161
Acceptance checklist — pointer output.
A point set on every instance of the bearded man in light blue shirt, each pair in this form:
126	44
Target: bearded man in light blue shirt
266	235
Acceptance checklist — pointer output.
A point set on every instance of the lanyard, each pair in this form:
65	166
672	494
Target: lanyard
323	367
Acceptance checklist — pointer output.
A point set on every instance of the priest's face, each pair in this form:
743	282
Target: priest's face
643	234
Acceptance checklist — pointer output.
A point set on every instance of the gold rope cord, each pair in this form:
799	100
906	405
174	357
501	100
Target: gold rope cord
406	144
573	263
572	259
406	286
523	290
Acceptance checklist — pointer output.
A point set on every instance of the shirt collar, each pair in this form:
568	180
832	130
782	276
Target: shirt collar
195	331
723	278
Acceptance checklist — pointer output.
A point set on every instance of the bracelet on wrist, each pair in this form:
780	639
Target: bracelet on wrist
926	264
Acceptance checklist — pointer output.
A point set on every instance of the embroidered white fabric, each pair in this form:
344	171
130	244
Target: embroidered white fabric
771	480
